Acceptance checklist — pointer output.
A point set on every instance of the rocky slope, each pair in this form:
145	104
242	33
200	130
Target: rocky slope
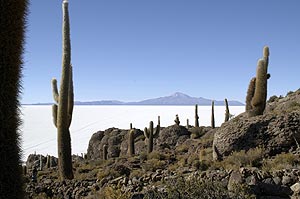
257	158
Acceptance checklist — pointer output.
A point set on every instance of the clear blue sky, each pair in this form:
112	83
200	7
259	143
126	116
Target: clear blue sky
138	49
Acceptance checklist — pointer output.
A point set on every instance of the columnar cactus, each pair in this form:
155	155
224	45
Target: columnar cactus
130	125
177	121
105	152
150	134
196	116
63	109
158	120
258	101
12	28
187	124
250	94
213	114
41	162
131	142
227	114
48	163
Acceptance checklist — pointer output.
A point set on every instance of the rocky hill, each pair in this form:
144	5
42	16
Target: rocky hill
253	158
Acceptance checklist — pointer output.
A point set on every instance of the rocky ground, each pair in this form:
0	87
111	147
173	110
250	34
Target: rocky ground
244	158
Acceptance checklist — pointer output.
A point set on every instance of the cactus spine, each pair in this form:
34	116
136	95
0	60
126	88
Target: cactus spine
196	116
213	114
12	28
150	134
131	142
63	110
226	111
259	95
105	152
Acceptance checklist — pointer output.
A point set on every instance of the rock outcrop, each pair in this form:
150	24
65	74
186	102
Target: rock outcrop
277	131
171	136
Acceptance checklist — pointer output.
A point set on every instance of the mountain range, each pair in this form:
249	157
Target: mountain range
175	99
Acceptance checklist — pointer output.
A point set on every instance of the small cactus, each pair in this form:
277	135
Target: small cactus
213	114
48	163
41	162
130	125
196	116
150	134
187	124
158	120
177	121
105	152
227	114
131	142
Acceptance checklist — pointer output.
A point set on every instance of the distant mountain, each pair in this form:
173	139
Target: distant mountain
103	102
175	99
183	99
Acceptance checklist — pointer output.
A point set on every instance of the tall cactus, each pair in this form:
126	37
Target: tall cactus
213	114
131	142
63	110
196	116
258	101
150	134
227	114
12	28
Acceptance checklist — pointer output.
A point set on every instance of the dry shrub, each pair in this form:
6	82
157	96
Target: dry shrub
281	161
253	157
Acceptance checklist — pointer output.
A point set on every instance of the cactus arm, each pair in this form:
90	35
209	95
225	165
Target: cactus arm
54	114
146	132
250	93
226	111
55	90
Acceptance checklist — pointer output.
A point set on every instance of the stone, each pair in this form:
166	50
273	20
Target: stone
295	188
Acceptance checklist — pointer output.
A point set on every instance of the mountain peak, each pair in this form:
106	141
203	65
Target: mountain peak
178	94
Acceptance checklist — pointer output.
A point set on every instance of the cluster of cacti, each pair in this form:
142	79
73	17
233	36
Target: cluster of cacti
12	28
213	114
196	116
177	121
227	114
150	134
63	110
257	90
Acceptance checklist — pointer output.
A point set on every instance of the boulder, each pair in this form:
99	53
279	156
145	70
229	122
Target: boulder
111	137
171	136
275	133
